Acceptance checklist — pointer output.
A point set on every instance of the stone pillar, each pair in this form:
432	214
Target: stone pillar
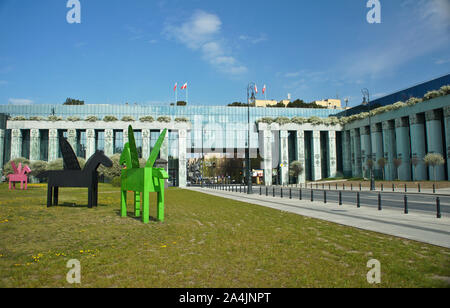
346	154
332	158
377	148
145	143
358	153
390	150
284	157
125	136
16	143
90	143
53	144
109	142
301	155
182	158
164	152
418	146
435	142
353	152
2	148
403	148
35	145
72	138
317	164
447	137
266	139
366	150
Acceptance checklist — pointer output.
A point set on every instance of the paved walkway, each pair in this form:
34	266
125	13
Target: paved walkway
420	227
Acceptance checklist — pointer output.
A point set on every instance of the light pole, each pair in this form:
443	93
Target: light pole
250	97
365	93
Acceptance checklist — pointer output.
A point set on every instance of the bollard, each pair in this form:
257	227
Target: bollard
260	190
393	187
300	194
351	186
418	187
359	186
336	186
343	186
438	207
406	189
340	198
379	201
382	187
245	189
324	196
281	192
240	189
290	193
406	204
434	188
323	186
312	195
267	191
273	192
358	205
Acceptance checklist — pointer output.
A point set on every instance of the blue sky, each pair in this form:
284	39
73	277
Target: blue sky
135	50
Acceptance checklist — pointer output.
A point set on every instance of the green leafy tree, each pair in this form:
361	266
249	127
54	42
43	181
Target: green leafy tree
397	163
382	163
71	101
434	160
296	169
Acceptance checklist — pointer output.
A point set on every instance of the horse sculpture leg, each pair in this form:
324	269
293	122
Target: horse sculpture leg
55	195
95	196
160	208
137	204
49	195
145	206
123	203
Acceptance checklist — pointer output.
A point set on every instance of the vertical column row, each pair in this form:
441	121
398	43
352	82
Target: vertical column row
182	158
317	165
390	152
301	154
2	148
332	158
435	141
403	148
418	146
447	137
284	157
347	154
35	144
267	156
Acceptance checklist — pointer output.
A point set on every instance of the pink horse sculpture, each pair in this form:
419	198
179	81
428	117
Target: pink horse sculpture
20	175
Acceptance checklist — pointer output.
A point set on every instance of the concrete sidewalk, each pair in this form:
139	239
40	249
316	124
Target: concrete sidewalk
422	227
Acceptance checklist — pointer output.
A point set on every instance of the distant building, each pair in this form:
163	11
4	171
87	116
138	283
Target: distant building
330	103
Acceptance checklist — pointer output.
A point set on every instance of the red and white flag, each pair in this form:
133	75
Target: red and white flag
184	86
256	89
176	85
264	89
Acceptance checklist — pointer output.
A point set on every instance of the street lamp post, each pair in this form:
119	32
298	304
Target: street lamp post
250	97
366	94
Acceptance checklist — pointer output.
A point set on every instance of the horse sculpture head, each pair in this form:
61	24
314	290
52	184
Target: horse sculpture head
99	158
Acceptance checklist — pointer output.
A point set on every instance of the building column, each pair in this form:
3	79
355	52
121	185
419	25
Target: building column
90	143
447	137
353	151
403	148
418	146
332	158
109	142
284	157
72	138
16	143
317	165
301	155
266	138
377	148
346	154
125	136
182	158
35	144
145	143
390	150
53	144
2	148
366	150
164	152
358	153
435	142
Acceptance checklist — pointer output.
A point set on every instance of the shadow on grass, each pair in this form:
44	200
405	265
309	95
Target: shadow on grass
75	205
130	214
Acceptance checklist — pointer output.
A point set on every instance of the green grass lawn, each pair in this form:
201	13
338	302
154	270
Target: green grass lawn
205	241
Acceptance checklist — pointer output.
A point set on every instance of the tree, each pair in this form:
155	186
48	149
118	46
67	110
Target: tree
414	162
71	101
434	160
181	103
397	163
369	164
295	169
7	168
237	104
382	163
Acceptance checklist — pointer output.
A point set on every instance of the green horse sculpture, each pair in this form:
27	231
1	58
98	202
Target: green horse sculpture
142	180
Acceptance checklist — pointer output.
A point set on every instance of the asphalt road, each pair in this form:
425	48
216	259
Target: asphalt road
415	202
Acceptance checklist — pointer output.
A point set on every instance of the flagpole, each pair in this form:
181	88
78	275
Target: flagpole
186	95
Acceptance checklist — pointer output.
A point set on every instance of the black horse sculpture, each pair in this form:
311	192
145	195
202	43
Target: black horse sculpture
73	176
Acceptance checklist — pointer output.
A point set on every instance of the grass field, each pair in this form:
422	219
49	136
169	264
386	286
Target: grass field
205	242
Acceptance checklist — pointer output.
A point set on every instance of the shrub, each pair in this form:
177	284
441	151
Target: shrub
412	101
91	118
54	118
110	118
36	118
431	94
146	119
299	120
445	90
73	118
282	120
265	120
164	119
37	167
182	119
116	182
19	118
127	119
315	120
333	121
114	171
57	164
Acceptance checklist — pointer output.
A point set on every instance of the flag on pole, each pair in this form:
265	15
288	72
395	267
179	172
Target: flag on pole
264	89
256	89
184	86
175	87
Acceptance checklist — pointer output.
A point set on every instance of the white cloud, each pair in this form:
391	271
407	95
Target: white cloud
202	32
254	39
20	101
3	82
